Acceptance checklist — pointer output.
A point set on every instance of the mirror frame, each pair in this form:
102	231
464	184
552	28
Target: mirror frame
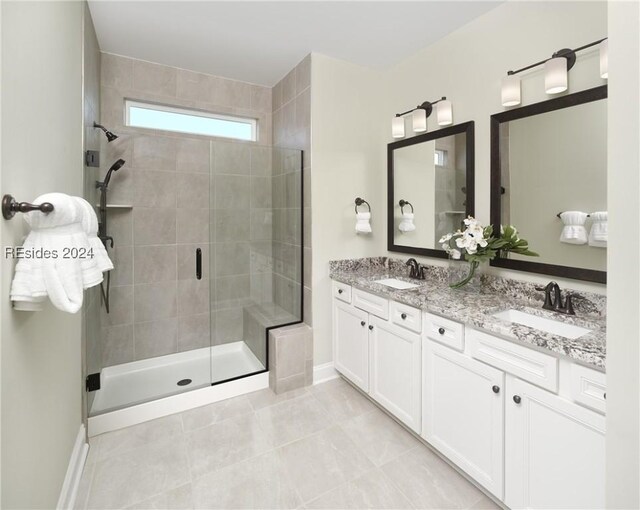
567	101
467	128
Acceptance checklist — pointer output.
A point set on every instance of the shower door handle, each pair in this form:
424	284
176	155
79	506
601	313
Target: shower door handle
198	264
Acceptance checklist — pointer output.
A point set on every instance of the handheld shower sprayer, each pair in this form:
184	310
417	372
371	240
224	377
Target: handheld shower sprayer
110	136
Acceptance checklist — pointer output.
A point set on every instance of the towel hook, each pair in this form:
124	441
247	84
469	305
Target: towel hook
10	207
402	203
359	202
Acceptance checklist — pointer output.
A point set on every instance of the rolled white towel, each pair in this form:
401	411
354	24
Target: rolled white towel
574	231
363	224
407	225
598	235
90	226
64	277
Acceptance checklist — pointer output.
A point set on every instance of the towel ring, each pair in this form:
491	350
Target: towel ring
10	207
359	201
402	203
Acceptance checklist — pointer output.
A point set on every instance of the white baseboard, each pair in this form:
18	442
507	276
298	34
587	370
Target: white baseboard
140	413
324	373
71	482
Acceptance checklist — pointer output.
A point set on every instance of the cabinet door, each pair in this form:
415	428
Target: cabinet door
351	343
395	371
463	413
555	451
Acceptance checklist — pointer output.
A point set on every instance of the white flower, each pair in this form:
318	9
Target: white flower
445	238
456	254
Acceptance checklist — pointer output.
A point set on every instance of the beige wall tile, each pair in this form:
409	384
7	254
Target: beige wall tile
154	225
193	297
193	332
153	189
155	301
117	344
261	98
154	263
289	87
192	191
116	71
154	78
303	74
193	225
155	338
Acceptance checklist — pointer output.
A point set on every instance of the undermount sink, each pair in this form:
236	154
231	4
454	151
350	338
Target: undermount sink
552	326
396	284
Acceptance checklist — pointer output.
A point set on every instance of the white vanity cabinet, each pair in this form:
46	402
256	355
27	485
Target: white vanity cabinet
526	425
555	450
463	413
351	343
380	357
395	371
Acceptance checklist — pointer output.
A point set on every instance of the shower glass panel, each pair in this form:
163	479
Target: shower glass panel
255	253
236	208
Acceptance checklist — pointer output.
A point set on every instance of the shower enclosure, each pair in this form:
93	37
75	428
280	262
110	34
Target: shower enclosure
208	258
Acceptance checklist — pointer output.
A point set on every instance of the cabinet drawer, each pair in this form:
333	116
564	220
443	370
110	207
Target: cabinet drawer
588	387
443	330
371	303
527	364
342	291
406	316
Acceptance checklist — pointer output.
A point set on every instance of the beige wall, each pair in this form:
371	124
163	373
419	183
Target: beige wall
623	342
348	162
352	108
468	65
41	152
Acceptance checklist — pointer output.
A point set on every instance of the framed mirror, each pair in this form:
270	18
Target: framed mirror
430	188
548	178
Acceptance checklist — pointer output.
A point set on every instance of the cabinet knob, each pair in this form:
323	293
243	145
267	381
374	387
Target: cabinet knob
517	399
496	389
370	327
441	331
363	323
340	291
403	316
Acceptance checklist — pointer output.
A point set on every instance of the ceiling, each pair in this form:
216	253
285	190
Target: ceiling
259	42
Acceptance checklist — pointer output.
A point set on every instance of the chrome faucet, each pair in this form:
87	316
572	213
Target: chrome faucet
555	304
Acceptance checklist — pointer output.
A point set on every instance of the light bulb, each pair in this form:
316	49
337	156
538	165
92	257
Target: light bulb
604	59
419	118
511	90
444	112
555	75
397	127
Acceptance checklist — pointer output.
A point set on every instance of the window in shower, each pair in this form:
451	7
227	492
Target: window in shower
182	120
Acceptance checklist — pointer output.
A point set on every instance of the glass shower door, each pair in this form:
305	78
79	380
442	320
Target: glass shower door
255	253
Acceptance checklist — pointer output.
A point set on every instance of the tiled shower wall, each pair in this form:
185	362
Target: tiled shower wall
292	130
158	307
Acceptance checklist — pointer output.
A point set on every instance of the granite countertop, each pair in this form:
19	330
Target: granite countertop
474	307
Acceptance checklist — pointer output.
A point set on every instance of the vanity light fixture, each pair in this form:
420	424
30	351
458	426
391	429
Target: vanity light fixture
556	69
419	116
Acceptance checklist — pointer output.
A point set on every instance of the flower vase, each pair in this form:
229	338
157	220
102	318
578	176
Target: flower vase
463	274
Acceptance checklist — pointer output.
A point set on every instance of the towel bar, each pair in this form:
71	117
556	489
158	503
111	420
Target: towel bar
558	215
10	207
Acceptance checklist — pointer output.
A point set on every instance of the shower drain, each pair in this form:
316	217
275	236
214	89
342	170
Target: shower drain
184	382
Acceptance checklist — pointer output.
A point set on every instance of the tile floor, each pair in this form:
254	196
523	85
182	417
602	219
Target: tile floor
325	446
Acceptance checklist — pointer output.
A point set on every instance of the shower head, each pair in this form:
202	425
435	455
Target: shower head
114	168
110	136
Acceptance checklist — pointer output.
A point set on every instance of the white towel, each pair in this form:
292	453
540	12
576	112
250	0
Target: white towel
598	235
90	226
407	225
573	231
62	277
362	222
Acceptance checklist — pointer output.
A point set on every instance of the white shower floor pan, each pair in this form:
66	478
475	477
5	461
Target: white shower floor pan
141	381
